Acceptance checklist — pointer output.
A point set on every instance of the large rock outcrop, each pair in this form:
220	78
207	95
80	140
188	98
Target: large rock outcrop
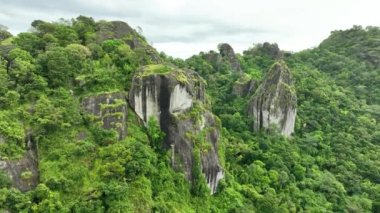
228	54
113	30
267	50
23	172
176	98
224	60
121	30
274	102
110	109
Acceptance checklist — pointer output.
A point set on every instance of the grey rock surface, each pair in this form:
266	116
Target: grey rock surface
177	100
111	109
244	87
121	30
275	101
23	172
228	54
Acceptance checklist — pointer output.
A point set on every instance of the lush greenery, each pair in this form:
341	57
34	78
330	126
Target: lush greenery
330	164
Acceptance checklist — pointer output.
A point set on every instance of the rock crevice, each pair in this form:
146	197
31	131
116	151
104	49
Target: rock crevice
176	98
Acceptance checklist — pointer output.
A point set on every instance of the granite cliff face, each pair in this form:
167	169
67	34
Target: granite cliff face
23	172
274	102
176	98
110	109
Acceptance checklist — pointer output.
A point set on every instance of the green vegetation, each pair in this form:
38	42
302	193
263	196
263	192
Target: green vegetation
11	131
4	34
243	79
163	69
154	133
160	69
330	164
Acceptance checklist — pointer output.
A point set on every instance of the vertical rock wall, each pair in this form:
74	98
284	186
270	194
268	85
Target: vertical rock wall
274	103
172	99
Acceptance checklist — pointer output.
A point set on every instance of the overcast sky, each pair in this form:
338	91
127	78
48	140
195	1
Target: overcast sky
182	28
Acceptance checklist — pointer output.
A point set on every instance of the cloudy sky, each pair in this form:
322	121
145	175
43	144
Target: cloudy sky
182	28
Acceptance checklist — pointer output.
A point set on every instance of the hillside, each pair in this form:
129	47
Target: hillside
94	119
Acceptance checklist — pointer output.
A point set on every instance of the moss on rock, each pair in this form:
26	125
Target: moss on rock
274	103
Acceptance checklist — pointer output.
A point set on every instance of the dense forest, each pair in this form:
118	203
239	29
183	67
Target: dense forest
73	137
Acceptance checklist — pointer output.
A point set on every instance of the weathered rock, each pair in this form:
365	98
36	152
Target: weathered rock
23	172
244	86
121	30
176	98
160	90
274	102
272	50
228	54
113	30
213	58
109	108
266	49
225	57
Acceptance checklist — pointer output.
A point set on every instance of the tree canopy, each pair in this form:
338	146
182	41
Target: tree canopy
330	164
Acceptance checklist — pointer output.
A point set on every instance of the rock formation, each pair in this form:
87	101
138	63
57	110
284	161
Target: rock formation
23	172
274	102
121	30
267	50
110	109
113	30
228	54
213	58
176	98
244	86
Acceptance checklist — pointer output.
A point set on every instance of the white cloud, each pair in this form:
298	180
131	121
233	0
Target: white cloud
185	27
